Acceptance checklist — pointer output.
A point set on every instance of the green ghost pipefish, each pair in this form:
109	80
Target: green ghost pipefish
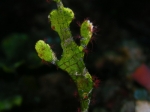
72	56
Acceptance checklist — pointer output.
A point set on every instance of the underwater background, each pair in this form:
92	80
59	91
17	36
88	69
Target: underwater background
119	55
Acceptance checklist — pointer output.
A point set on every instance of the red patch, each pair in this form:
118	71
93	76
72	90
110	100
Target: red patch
93	101
85	97
78	23
78	37
95	30
96	81
53	27
48	1
86	50
78	110
93	39
90	28
86	19
75	94
45	62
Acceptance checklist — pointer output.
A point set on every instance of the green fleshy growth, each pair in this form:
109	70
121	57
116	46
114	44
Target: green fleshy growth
61	17
86	31
85	86
44	51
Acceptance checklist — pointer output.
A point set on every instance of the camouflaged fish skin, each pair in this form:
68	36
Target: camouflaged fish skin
72	57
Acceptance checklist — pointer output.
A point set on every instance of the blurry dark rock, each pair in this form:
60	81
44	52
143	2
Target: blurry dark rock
51	92
129	106
56	91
